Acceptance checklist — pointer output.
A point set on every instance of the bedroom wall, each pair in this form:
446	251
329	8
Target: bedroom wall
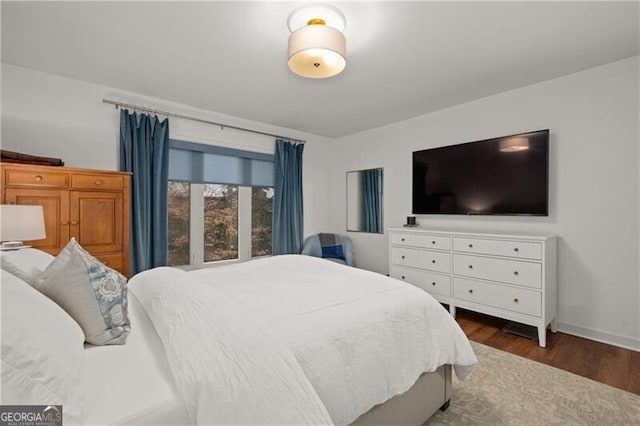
593	117
594	186
53	116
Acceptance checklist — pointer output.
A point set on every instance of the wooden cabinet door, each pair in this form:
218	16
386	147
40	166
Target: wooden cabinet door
55	204
96	220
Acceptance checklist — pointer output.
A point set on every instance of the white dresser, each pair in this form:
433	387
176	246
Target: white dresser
511	276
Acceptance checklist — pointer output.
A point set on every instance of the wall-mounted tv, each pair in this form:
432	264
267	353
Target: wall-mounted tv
508	175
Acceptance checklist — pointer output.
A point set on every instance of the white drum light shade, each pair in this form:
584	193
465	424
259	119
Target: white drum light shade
317	51
21	223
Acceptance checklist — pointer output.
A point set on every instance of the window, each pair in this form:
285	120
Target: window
179	219
220	222
220	204
261	214
205	222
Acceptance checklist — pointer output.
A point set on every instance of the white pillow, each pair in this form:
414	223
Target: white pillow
42	351
26	264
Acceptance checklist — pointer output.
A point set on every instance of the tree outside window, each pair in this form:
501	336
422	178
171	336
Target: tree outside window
217	209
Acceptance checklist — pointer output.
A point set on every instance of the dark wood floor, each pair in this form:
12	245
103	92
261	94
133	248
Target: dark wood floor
604	363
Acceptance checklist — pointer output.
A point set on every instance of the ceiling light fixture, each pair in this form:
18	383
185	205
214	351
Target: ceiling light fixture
317	47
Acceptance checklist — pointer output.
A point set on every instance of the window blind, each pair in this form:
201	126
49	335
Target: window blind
199	163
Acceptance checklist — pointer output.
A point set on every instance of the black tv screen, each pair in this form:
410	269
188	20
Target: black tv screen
502	176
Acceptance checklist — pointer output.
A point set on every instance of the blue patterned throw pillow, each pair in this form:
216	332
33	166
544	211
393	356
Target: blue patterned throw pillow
92	294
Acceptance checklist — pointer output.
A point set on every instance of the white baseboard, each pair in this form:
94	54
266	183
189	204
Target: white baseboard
600	336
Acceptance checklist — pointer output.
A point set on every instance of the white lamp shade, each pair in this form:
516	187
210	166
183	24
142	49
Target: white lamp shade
21	223
317	51
514	144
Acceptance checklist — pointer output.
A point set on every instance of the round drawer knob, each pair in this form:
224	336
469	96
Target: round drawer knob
402	239
470	266
515	273
402	257
403	277
433	284
433	242
516	249
64	222
470	245
470	290
98	182
515	300
38	178
433	261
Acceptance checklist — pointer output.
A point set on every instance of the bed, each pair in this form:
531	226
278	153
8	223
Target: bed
320	343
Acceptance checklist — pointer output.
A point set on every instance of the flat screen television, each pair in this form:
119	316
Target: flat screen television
508	175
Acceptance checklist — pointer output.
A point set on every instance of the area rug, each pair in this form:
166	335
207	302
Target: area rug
507	389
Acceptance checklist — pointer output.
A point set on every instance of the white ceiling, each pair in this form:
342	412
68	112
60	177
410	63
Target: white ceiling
404	59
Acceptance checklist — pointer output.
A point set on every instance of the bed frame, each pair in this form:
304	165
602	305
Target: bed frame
432	391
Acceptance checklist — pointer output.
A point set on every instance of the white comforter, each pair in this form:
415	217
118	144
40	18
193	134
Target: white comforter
358	337
228	367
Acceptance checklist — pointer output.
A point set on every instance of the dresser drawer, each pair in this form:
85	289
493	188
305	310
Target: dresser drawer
423	259
523	250
527	274
36	179
519	300
424	241
426	280
97	182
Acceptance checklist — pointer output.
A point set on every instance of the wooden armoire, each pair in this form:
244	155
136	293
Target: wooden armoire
90	205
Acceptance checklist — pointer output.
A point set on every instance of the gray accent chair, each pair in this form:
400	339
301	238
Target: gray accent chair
312	247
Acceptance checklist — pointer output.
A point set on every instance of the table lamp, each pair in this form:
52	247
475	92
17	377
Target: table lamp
19	223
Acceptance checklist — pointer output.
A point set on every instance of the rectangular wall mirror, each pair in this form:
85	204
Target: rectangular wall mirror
364	201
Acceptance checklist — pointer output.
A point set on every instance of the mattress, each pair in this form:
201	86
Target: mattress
132	383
